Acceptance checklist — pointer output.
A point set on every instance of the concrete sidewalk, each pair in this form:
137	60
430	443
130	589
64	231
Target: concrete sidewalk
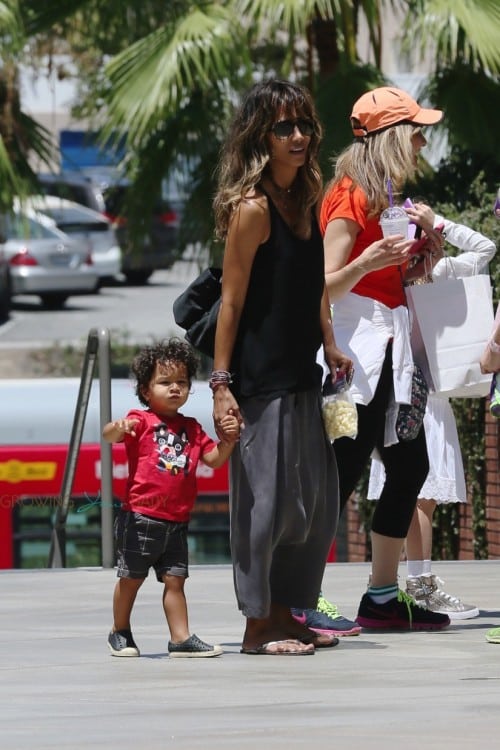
60	688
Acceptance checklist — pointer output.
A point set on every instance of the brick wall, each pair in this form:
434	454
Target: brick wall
493	485
357	547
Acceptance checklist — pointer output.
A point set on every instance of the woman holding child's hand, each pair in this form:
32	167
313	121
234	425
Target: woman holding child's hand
274	316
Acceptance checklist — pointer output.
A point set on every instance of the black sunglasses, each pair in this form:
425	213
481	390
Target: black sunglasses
285	128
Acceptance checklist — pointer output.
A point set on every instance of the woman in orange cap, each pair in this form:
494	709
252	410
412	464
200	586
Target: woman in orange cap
365	283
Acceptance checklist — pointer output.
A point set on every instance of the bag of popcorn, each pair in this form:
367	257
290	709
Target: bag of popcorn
339	410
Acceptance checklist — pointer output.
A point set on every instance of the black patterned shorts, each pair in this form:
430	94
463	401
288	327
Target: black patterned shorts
144	542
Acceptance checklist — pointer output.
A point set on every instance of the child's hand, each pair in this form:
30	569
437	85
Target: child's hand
125	426
229	428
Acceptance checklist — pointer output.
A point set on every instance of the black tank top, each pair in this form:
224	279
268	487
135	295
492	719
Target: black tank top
279	332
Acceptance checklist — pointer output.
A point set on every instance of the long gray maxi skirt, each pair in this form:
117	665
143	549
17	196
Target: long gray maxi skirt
284	502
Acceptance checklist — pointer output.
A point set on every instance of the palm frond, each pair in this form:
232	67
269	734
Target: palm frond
372	11
8	15
189	141
292	15
296	16
41	143
150	79
10	182
40	16
457	29
470	126
11	27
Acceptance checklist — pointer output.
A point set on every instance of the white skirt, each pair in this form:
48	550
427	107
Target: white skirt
445	481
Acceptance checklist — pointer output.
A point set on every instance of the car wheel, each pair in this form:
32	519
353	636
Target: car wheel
54	301
138	276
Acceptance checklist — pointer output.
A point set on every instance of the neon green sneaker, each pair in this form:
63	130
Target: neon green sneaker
327	608
493	635
326	619
337	622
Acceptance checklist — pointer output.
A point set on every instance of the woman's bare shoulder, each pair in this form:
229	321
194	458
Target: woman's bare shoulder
252	215
255	203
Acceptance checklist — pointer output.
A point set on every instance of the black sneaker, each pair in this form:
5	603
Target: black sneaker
121	643
193	647
400	613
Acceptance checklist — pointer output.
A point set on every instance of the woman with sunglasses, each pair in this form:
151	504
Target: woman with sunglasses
365	285
273	317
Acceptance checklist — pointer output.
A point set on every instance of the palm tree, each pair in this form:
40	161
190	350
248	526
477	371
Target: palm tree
20	135
455	30
170	91
170	88
463	38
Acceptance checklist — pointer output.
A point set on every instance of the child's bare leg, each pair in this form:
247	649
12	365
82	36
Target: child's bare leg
123	600
175	607
419	539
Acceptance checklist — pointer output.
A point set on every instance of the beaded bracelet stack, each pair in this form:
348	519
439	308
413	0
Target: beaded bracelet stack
218	378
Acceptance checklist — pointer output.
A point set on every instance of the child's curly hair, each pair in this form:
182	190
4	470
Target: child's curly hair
163	352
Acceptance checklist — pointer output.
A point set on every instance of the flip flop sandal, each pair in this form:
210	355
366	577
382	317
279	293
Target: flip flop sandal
263	649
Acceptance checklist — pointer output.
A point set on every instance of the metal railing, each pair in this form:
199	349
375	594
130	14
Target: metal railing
98	349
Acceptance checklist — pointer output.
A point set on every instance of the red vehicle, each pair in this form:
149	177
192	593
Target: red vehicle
35	428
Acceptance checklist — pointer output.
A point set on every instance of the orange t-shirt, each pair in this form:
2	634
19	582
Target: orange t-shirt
344	202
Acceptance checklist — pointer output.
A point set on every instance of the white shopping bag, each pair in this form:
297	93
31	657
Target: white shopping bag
452	323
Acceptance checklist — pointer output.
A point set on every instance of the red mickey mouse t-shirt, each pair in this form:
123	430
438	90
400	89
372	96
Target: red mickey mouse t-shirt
162	460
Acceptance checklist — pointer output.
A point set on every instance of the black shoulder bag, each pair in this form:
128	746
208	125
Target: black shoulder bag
196	310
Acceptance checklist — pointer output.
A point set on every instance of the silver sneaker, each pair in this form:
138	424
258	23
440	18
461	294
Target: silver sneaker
426	592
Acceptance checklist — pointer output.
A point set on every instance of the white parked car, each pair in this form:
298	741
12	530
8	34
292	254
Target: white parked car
84	224
44	261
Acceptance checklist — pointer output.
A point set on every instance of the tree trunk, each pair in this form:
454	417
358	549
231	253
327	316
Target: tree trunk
322	35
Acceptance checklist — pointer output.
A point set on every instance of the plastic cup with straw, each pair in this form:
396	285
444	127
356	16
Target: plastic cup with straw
394	219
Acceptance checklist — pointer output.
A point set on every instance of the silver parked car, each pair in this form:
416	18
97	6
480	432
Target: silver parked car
83	223
102	190
44	261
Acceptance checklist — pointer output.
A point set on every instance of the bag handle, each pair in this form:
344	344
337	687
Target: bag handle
449	265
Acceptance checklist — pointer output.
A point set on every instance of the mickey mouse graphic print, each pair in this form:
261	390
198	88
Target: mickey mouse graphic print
162	458
172	456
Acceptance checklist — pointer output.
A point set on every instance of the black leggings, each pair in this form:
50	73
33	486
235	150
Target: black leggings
406	464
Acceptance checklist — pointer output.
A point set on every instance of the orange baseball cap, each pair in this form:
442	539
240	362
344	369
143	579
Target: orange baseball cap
380	108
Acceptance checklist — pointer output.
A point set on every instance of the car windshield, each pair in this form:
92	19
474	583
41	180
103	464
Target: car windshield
77	220
19	226
79	192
